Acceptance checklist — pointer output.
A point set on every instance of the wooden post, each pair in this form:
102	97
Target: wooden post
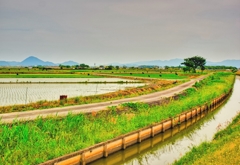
152	131
172	122
105	150
163	128
123	143
83	161
139	137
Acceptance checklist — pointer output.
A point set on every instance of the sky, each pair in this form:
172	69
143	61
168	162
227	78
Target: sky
123	31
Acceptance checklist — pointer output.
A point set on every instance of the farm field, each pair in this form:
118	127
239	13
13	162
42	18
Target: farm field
73	80
238	73
50	76
28	93
43	139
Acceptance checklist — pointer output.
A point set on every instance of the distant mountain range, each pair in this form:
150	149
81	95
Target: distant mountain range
34	61
177	62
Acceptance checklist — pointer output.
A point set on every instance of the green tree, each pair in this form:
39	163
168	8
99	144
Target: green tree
110	67
194	62
83	66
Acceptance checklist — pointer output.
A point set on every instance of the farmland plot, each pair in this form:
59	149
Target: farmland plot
42	80
11	94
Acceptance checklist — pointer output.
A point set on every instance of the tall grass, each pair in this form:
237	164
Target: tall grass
43	139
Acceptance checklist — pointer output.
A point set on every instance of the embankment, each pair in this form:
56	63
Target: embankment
122	142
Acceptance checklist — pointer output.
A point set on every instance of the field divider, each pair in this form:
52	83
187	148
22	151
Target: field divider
106	148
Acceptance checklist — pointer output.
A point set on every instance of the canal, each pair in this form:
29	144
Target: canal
167	147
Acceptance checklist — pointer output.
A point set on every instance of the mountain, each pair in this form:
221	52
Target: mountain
235	63
177	62
34	61
173	62
4	63
70	63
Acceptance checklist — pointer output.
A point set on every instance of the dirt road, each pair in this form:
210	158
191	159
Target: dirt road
63	111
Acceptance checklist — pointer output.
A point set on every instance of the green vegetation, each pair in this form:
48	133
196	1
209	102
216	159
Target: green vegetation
224	149
155	75
192	63
37	141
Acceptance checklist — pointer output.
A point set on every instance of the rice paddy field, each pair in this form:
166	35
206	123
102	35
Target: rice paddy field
84	75
24	93
62	80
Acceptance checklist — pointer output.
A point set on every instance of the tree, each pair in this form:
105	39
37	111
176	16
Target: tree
83	66
110	67
194	62
186	69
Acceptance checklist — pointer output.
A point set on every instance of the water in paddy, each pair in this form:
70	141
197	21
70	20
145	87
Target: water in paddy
11	94
165	148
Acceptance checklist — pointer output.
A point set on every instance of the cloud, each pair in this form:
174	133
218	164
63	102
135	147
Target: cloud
110	30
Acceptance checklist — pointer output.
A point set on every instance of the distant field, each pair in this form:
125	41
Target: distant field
49	76
77	73
154	75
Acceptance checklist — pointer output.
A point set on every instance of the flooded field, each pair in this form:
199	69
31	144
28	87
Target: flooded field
11	94
36	80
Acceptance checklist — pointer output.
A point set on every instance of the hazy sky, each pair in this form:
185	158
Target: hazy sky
104	31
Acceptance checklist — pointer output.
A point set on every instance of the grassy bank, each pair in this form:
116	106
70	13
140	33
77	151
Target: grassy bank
37	141
224	149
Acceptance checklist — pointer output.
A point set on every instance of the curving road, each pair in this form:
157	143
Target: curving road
63	111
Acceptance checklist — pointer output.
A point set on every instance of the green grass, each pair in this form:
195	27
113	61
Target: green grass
37	141
224	149
49	76
154	75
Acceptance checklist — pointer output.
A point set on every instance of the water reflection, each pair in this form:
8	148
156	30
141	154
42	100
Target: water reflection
166	148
